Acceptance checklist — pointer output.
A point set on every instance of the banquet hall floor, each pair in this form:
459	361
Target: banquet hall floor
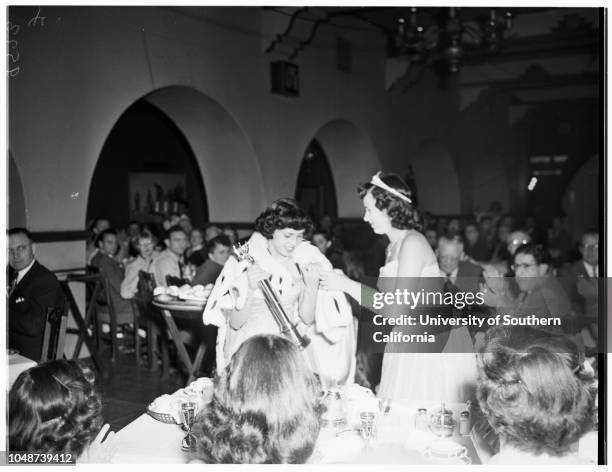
128	388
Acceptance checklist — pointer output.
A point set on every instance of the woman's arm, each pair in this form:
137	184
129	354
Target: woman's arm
308	297
411	261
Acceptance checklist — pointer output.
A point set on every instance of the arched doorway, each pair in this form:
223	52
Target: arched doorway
352	158
315	188
146	170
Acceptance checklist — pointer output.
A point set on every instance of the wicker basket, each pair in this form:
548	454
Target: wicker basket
163	417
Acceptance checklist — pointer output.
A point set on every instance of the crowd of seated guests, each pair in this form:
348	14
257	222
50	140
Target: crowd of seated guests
173	251
526	270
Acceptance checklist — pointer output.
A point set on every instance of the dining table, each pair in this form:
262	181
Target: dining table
397	440
18	364
191	313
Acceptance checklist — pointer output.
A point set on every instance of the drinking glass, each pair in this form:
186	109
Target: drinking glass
368	419
384	406
188	414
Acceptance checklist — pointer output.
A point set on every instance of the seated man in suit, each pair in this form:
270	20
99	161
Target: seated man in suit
540	292
32	290
581	282
461	273
219	249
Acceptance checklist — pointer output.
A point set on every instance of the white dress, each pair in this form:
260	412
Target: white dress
331	352
449	376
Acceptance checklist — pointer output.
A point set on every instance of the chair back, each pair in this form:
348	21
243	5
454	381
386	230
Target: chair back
146	285
143	299
54	336
173	280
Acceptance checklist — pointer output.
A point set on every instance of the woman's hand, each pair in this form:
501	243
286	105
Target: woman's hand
311	273
255	274
334	280
100	450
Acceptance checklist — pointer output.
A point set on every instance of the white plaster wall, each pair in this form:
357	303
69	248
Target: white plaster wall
81	70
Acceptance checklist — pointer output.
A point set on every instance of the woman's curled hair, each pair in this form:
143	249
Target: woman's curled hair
283	213
403	214
265	409
54	408
535	389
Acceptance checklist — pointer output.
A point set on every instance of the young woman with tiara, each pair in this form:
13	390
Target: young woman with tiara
447	371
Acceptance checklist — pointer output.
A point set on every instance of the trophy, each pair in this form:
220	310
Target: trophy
287	328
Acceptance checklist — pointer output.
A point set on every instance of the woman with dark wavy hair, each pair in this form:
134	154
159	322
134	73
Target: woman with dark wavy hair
55	408
448	367
265	409
538	393
283	255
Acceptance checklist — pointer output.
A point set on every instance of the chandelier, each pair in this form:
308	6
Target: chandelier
441	38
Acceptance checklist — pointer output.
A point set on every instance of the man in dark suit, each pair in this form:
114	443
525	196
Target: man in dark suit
460	275
32	290
581	281
458	272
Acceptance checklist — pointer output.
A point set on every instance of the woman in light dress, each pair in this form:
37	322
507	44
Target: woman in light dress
292	266
449	373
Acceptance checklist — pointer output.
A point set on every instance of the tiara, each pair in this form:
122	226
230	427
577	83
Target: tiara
376	180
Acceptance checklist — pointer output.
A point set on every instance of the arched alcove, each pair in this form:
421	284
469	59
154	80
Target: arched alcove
17	215
227	161
352	158
315	189
146	168
223	160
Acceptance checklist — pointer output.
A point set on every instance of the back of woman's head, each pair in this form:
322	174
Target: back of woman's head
402	210
283	213
54	408
265	408
535	390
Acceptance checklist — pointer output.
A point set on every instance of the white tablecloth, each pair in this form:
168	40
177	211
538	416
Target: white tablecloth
17	364
149	441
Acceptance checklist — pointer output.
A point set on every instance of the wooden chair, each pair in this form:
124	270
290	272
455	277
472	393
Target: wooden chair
155	325
54	336
106	310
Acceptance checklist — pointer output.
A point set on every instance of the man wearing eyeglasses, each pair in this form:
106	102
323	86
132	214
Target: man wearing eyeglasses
540	293
31	291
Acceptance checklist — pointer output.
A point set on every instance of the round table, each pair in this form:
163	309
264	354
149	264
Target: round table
184	311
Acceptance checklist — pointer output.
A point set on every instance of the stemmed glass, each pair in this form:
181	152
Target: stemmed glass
188	414
368	419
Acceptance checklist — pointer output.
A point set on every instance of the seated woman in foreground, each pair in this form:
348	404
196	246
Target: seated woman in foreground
54	408
538	394
265	408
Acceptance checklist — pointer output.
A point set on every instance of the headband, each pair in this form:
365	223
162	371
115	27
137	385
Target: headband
380	184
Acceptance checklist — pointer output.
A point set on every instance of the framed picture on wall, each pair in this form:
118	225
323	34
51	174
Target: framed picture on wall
155	192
